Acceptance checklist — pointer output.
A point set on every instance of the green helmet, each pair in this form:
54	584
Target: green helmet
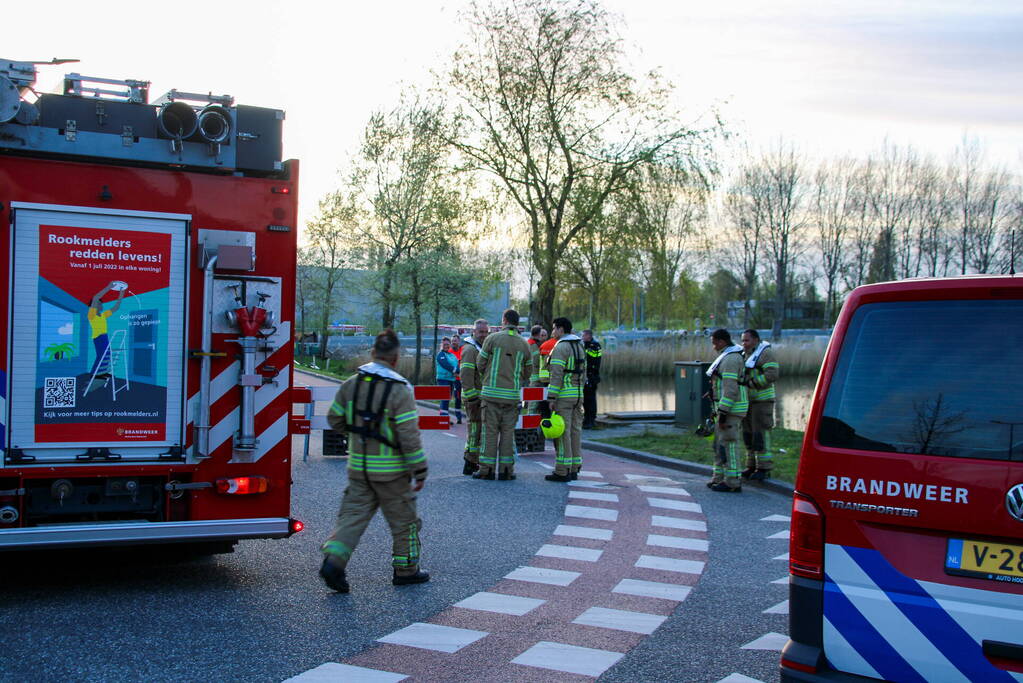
553	426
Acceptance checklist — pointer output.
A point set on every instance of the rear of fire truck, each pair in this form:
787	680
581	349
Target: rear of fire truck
146	354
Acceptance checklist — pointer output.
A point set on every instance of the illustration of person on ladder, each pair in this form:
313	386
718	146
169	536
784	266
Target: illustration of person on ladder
98	325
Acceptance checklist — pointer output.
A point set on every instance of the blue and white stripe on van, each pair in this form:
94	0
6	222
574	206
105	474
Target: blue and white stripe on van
881	623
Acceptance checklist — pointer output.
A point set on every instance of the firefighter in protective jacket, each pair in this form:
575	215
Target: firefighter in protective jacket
386	465
761	374
565	393
504	367
730	406
470	377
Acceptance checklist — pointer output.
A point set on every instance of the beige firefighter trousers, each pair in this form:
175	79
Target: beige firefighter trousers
497	442
397	501
568	450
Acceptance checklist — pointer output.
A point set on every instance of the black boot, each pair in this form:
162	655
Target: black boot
558	477
748	472
760	475
725	488
574	475
505	476
419	577
489	476
469	467
334	576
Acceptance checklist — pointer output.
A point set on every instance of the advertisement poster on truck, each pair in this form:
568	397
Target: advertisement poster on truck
101	365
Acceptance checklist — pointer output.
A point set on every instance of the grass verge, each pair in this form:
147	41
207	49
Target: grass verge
683	444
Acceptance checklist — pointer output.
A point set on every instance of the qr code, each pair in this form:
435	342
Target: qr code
59	392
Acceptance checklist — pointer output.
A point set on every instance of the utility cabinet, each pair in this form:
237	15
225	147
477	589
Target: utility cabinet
692	392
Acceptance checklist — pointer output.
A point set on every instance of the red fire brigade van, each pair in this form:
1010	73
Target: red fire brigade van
146	354
906	553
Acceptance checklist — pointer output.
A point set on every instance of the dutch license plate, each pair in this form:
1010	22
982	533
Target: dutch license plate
985	560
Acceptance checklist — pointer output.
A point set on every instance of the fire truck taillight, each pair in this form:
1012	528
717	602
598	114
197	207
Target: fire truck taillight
295	526
281	190
806	542
243	485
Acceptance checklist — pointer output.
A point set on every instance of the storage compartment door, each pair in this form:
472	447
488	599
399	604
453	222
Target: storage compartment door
98	333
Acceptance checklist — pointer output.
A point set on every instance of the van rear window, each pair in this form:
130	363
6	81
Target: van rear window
935	377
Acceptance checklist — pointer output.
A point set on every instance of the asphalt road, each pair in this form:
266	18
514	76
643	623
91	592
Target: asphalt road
262	614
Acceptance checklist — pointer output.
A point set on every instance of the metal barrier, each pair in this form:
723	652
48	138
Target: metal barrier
310	421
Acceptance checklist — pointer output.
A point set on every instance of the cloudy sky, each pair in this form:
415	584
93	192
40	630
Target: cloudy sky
834	77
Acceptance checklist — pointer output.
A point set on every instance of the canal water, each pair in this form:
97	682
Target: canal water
617	394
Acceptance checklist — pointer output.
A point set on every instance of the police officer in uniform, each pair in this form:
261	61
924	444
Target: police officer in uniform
470	377
565	393
761	374
730	405
386	465
504	366
593	358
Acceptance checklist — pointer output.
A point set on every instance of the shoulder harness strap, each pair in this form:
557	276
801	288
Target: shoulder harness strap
372	419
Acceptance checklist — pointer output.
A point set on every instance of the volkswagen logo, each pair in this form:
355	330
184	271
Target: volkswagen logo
1014	502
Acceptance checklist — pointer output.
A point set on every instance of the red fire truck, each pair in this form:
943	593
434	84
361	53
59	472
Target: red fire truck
146	355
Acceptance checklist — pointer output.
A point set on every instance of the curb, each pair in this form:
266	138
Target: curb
782	487
317	374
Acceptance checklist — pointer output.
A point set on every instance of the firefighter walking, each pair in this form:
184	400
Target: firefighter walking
386	465
565	393
730	405
761	373
469	375
504	366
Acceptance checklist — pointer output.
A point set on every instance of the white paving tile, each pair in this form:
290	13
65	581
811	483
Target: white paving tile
645	477
784	556
676	542
554	577
669	564
583	532
781	534
784	581
590	473
332	672
678	523
781	608
585	661
620	620
667	490
669	504
544	465
585	512
652	589
588	495
776	518
500	603
590	484
569	552
433	637
739	678
769	641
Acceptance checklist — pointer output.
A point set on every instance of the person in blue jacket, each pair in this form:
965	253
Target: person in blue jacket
447	375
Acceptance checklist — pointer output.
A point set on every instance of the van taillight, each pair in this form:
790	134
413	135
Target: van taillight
806	541
243	485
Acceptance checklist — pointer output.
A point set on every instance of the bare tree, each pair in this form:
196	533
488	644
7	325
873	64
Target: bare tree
745	207
935	209
835	206
549	109
785	176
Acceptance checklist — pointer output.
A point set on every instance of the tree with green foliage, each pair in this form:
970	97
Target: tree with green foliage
405	175
548	110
